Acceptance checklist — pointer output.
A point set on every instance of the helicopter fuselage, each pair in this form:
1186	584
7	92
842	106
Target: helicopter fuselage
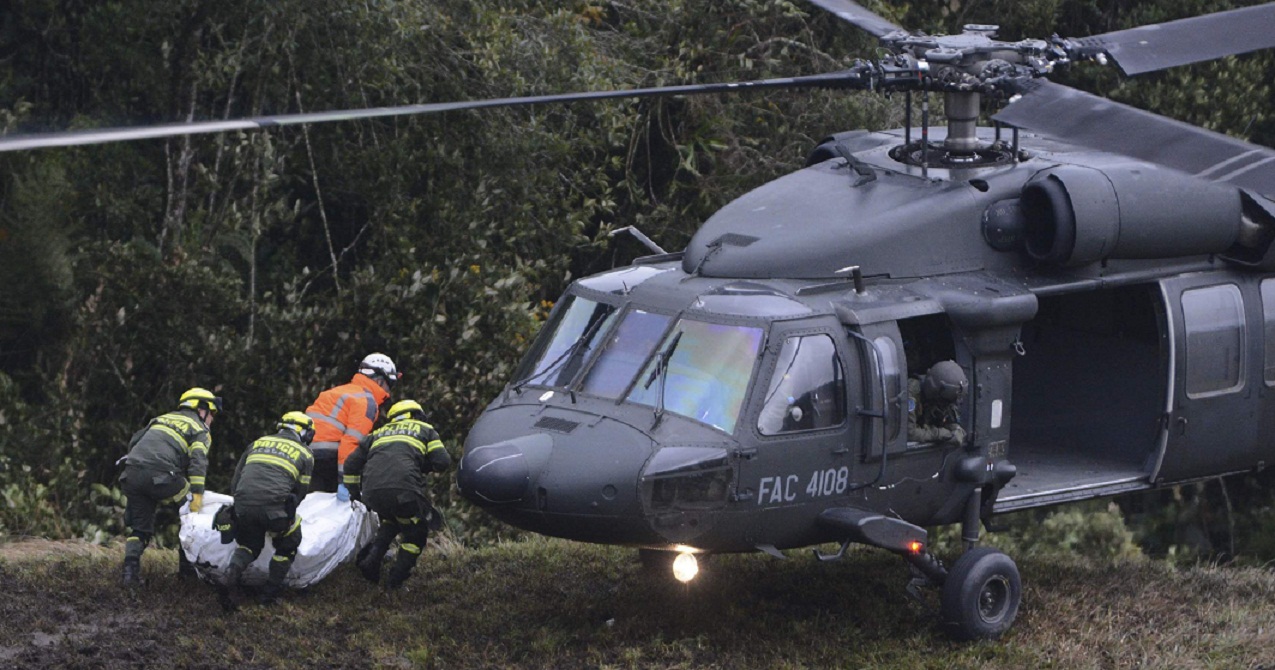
751	392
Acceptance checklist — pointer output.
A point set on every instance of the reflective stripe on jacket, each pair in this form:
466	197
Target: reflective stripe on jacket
397	456
345	414
176	442
272	469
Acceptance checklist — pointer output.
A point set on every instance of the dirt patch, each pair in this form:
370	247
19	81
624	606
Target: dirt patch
66	609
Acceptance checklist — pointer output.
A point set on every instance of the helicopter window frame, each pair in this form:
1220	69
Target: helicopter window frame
893	368
1267	290
878	404
785	415
1213	318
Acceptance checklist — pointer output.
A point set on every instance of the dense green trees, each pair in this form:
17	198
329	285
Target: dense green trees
264	265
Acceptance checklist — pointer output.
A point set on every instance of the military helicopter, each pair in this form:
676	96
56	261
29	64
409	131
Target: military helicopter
1104	278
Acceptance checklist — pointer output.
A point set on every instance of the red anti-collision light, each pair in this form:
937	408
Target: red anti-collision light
916	547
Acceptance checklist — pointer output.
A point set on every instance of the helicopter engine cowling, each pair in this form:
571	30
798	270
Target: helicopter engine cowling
1077	215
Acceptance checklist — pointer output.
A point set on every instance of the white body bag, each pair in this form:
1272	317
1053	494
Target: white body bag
332	532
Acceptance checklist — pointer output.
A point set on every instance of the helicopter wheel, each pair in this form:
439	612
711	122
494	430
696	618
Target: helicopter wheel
981	594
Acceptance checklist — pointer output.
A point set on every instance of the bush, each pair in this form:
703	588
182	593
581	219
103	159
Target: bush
1094	529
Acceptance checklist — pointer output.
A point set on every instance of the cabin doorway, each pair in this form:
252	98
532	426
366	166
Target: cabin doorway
1089	394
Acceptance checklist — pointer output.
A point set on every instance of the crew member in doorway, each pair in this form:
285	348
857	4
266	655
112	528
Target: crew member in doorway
166	460
932	404
387	472
344	415
271	479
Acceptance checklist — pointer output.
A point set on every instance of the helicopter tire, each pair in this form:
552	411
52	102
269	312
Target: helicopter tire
981	595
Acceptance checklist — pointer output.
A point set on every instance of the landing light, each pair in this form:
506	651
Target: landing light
685	567
915	547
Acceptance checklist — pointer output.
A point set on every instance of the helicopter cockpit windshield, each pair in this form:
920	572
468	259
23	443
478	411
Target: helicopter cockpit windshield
567	341
704	376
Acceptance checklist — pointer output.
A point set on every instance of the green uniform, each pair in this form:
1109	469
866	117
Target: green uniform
167	460
932	421
271	479
387	471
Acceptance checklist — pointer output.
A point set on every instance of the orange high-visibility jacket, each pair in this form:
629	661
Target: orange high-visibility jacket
344	414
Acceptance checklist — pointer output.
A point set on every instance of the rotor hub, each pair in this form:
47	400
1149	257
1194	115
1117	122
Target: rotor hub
935	155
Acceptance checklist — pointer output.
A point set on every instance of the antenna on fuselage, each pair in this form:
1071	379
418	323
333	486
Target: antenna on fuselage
640	236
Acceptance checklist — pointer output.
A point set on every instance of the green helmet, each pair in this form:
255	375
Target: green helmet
945	381
299	423
199	398
405	409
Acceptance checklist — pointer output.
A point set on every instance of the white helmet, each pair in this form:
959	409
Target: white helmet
373	365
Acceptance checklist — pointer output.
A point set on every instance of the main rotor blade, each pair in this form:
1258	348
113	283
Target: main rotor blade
1163	45
1075	116
858	78
853	13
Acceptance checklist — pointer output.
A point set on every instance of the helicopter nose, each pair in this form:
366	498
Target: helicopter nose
501	473
564	472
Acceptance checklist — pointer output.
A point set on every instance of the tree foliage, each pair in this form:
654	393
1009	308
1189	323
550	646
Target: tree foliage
265	265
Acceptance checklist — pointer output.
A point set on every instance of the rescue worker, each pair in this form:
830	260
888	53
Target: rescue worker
271	479
344	415
387	472
932	404
166	460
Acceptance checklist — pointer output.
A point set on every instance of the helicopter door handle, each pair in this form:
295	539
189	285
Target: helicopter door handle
747	453
1182	425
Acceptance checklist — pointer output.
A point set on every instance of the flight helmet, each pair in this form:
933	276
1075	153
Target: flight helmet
945	381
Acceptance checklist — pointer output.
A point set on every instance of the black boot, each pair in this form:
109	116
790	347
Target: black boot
132	572
274	583
403	565
132	575
270	593
370	559
228	595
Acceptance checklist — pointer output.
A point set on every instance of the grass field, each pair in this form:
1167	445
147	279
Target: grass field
556	604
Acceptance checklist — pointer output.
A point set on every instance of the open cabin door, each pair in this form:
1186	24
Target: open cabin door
1090	381
885	391
1215	333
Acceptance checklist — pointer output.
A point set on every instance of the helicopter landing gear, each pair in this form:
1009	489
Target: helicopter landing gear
981	594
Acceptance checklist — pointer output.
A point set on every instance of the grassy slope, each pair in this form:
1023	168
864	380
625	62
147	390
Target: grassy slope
551	604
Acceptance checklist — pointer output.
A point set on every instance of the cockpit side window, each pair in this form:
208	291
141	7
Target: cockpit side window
806	390
566	342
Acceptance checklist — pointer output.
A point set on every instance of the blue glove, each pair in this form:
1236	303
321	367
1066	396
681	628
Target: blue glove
342	493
